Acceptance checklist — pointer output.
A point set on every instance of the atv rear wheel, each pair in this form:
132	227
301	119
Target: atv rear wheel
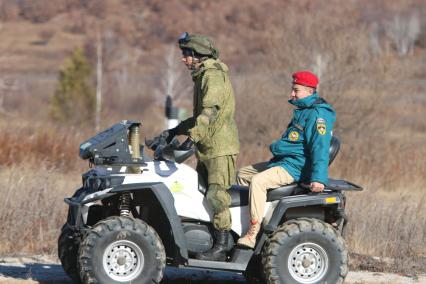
305	251
122	250
68	253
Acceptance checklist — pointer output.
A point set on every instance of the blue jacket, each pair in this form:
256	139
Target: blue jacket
303	148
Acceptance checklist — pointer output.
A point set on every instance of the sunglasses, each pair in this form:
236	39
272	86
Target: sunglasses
184	38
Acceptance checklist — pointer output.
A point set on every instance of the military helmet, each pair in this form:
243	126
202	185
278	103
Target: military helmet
200	44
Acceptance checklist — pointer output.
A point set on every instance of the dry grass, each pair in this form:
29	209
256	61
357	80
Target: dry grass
41	144
32	208
39	168
388	223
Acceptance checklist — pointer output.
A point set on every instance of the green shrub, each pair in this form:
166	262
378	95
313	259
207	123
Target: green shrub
74	98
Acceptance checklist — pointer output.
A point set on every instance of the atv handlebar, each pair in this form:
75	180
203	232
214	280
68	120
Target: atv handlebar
168	151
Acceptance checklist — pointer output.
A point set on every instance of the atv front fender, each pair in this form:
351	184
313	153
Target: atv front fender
166	201
159	190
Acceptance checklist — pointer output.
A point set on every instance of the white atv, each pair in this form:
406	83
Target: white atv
134	215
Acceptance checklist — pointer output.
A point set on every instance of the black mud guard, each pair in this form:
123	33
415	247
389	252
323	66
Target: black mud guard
292	202
163	195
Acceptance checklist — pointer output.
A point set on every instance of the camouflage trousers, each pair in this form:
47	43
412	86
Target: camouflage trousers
219	174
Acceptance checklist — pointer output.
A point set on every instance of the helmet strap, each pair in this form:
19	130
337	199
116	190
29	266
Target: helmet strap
195	61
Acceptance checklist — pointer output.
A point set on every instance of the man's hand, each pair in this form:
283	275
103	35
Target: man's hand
165	136
186	145
152	143
316	186
168	134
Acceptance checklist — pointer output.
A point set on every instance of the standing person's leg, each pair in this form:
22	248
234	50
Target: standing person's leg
203	176
221	175
260	183
245	174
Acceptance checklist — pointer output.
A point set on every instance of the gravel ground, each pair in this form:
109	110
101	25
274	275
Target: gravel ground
46	270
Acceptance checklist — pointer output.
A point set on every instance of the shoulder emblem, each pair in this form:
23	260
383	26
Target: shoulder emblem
293	136
322	129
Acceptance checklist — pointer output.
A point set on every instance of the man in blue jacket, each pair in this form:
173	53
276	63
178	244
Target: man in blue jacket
300	155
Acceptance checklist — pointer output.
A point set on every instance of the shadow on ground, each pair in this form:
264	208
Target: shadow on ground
53	273
40	272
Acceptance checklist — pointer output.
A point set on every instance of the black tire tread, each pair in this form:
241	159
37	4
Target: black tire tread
110	224
67	253
294	227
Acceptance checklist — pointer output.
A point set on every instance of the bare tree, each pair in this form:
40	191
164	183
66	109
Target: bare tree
404	32
174	83
98	82
119	67
374	37
7	85
319	65
124	72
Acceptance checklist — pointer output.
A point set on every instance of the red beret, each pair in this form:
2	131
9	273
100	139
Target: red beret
305	78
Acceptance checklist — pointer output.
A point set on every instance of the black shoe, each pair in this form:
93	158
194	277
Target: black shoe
218	251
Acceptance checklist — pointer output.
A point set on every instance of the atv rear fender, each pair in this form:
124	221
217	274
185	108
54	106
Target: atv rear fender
308	206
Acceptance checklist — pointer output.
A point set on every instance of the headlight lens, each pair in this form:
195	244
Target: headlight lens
96	183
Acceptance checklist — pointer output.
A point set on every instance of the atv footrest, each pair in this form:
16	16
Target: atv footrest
239	262
242	255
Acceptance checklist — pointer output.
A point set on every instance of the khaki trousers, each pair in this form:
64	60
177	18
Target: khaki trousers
260	179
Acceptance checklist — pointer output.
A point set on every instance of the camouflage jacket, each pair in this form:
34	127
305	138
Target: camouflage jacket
212	126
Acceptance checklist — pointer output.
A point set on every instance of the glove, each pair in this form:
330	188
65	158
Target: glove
186	145
152	143
168	135
165	136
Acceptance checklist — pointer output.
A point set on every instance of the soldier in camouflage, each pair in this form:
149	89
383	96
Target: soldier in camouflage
213	130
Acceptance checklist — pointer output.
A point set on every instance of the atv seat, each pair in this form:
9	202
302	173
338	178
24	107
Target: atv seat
240	194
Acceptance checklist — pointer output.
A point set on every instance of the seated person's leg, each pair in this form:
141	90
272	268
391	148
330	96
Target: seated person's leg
260	183
270	178
245	174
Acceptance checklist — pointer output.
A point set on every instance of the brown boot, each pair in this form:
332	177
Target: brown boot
249	240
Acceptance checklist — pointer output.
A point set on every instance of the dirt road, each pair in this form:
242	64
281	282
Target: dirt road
47	270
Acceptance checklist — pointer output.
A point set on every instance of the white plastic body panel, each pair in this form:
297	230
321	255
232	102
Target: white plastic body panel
182	181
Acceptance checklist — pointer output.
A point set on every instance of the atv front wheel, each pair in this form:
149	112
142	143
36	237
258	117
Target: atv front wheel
305	251
67	253
122	250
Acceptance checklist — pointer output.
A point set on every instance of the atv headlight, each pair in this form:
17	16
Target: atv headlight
95	183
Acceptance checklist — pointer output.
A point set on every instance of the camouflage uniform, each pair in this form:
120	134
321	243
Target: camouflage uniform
215	133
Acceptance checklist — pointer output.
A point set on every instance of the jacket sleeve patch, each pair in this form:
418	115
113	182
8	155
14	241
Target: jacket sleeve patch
293	136
321	127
